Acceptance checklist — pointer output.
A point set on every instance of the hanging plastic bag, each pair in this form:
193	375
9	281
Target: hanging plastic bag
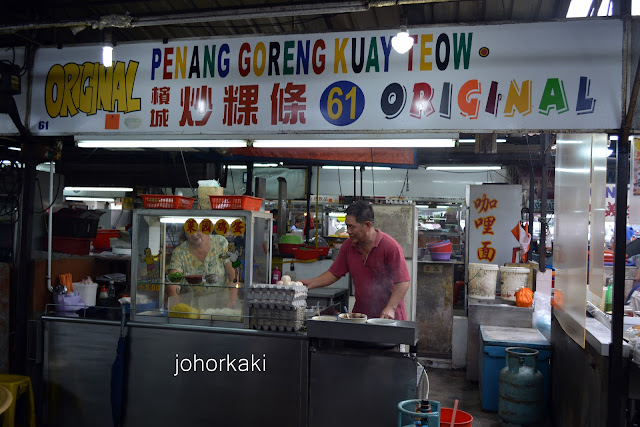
524	297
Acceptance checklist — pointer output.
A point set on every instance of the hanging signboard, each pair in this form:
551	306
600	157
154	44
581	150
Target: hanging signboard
543	76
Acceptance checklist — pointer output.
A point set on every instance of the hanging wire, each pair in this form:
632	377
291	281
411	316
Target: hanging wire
184	164
339	183
373	181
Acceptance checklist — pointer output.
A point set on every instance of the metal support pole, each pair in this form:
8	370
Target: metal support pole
546	146
21	282
355	191
307	221
532	196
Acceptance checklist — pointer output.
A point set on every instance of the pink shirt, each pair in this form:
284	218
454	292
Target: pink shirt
373	278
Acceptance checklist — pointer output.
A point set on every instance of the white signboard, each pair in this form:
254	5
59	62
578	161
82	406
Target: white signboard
552	75
494	210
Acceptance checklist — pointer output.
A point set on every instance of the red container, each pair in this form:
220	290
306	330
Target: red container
446	247
463	419
288	248
102	238
306	253
161	201
71	245
240	203
324	250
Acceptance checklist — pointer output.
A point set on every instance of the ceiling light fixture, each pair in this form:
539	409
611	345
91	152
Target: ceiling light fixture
90	199
107	49
15	148
125	189
463	168
163	143
355	143
402	42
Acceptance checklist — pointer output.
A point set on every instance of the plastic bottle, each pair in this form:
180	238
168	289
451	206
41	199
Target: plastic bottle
103	296
277	275
608	297
111	290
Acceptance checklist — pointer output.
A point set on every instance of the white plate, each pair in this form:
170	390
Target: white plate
382	321
325	318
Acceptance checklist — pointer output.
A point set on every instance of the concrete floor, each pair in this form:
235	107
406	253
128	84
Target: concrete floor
447	385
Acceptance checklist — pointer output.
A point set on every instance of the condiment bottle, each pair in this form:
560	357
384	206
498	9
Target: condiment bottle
277	275
104	294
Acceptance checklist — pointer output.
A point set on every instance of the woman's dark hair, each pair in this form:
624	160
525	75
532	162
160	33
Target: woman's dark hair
362	211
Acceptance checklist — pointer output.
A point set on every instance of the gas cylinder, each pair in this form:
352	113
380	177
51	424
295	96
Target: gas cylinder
521	387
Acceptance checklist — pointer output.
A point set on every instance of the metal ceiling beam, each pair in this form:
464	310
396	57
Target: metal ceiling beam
227	14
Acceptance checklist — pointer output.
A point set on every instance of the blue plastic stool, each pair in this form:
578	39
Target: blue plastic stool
431	419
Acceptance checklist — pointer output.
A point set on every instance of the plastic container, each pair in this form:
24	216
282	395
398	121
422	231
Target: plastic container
483	279
243	203
512	279
324	250
161	201
203	195
463	419
444	246
277	275
288	248
440	256
78	223
70	245
306	253
88	292
102	238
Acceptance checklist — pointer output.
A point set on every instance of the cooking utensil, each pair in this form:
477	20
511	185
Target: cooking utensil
453	416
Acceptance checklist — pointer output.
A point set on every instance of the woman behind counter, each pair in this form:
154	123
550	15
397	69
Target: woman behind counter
201	254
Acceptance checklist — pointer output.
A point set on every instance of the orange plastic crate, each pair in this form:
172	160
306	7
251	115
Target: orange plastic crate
243	203
160	201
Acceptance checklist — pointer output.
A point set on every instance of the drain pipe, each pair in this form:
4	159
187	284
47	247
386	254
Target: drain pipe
282	207
50	228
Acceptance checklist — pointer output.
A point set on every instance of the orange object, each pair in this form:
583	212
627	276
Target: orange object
462	419
246	203
161	201
524	297
66	280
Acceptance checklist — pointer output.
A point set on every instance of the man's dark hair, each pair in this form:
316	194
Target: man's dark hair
274	212
362	211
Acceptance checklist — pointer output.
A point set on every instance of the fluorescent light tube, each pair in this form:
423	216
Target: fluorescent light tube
182	219
442	207
473	140
375	168
91	199
125	189
15	148
236	167
463	168
354	143
265	165
163	143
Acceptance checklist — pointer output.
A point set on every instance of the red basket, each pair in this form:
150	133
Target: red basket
160	201
241	203
306	253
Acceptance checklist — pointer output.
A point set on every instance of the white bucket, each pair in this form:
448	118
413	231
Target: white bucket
483	279
87	292
512	279
204	193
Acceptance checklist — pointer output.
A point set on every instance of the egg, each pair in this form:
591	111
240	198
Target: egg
286	278
279	283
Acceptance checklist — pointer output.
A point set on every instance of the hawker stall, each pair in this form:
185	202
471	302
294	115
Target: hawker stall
208	334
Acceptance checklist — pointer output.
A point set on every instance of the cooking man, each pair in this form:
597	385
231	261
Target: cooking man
376	263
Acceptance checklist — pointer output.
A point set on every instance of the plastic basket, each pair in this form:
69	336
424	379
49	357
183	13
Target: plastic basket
160	201
243	203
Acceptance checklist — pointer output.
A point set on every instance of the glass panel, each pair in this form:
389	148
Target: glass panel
261	261
195	275
573	171
598	197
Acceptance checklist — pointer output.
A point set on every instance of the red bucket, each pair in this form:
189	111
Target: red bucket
443	246
463	419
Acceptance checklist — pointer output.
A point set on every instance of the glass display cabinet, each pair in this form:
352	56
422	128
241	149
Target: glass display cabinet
192	266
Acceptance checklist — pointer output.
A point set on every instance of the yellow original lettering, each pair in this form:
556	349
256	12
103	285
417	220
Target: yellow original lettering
90	87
